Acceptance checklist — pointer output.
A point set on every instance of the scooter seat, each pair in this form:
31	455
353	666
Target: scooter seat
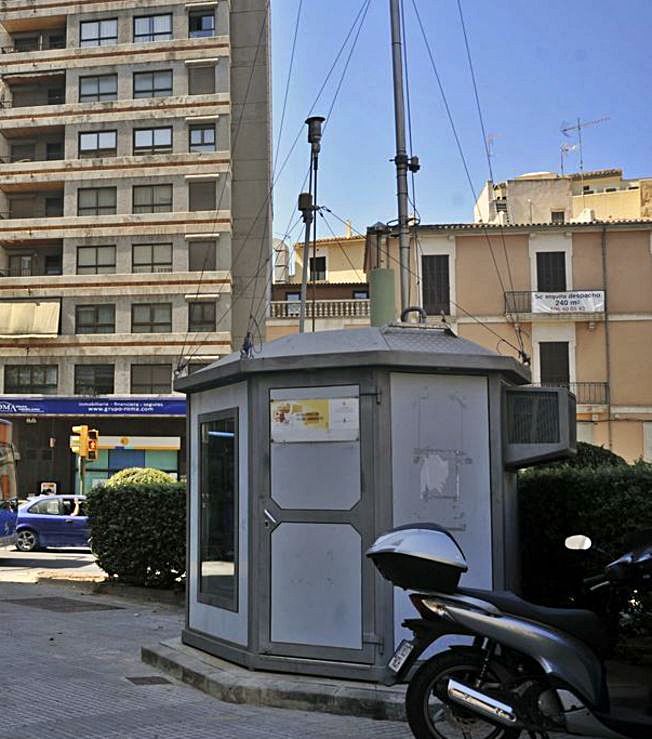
583	625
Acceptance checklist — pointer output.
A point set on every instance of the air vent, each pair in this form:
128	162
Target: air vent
540	425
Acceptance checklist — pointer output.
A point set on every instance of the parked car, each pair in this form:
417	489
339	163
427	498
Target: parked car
7	522
52	521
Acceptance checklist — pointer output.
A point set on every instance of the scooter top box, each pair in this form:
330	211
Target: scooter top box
419	556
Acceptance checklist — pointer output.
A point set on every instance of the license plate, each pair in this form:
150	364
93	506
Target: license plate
400	655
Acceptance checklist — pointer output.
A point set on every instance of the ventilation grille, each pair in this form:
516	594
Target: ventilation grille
533	418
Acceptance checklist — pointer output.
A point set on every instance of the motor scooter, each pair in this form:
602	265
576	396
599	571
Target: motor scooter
525	668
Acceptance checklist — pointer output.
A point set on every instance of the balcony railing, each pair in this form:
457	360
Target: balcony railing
554	303
587	393
322	309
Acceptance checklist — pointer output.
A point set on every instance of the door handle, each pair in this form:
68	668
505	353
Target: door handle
269	518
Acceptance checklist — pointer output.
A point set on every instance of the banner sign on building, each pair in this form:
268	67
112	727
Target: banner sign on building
579	301
100	406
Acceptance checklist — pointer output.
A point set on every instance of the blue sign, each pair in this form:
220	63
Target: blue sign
99	406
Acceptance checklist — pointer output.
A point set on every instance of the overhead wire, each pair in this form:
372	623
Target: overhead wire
357	24
362	10
453	302
485	141
460	149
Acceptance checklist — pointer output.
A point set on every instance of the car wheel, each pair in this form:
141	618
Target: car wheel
26	540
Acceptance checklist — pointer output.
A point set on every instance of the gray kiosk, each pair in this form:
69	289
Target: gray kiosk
302	455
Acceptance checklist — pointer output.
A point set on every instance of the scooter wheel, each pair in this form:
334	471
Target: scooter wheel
430	715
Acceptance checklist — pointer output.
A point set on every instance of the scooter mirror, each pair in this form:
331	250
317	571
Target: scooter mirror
578	542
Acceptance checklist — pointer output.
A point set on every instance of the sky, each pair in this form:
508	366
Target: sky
538	65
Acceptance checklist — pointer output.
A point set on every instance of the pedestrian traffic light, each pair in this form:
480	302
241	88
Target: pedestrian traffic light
93	442
81	441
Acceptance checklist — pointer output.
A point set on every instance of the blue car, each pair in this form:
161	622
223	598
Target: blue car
52	521
7	522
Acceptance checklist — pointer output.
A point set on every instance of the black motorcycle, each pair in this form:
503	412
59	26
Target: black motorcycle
525	668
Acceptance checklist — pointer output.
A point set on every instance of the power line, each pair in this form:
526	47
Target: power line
339	243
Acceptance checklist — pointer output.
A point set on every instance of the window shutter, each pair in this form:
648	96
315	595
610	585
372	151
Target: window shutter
201	256
201	80
553	357
202	195
551	271
436	284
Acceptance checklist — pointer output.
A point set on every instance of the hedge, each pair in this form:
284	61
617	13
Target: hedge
606	503
138	530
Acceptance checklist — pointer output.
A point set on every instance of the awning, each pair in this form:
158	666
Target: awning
29	319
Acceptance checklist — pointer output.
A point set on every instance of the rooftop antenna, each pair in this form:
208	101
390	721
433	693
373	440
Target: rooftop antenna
567	129
564	151
491	140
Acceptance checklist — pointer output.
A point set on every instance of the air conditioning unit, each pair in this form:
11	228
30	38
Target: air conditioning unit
540	425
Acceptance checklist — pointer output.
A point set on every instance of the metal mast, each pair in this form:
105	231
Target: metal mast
401	159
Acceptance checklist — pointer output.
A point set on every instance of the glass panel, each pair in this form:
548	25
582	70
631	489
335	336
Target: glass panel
202	256
109	29
162	23
140	313
142	254
87	141
106	196
141	26
143	138
162	253
163	137
108	83
218	512
107	140
89	30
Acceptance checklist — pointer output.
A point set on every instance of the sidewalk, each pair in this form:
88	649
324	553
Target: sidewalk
73	671
60	564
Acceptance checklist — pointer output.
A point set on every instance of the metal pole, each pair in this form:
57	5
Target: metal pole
307	217
401	159
314	242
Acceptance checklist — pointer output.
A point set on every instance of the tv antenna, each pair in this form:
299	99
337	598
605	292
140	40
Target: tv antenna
564	151
568	128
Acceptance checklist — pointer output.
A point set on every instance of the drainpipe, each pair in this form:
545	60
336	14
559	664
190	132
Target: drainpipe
607	345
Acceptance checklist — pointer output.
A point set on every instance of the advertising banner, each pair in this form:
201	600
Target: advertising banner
100	406
315	419
580	301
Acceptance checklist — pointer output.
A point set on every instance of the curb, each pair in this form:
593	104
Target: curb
233	684
153	595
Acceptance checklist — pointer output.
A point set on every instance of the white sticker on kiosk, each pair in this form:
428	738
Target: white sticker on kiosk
315	419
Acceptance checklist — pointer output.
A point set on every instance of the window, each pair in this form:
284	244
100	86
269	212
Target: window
152	198
152	140
94	379
201	79
153	27
26	43
99	88
201	195
201	316
95	260
56	95
56	41
38	379
436	284
218	514
553	360
98	33
317	268
53	264
153	84
551	271
52	507
95	319
361	295
95	201
98	143
54	206
54	150
202	137
202	256
20	265
201	23
557	216
152	258
151	318
23	152
151	378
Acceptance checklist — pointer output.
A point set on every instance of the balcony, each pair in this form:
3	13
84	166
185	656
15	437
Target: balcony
42	204
32	145
33	89
36	40
289	309
576	303
586	393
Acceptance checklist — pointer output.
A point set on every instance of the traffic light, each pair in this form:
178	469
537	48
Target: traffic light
93	442
81	442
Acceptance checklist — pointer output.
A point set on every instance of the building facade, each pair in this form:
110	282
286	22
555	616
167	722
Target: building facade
134	216
547	197
574	297
338	293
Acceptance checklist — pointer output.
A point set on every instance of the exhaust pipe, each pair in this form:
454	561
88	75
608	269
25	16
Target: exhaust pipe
480	703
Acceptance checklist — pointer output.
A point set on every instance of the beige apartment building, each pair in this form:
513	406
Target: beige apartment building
338	293
547	197
578	294
134	216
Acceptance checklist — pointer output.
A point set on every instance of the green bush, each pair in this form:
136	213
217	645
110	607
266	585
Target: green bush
590	455
606	503
138	476
138	529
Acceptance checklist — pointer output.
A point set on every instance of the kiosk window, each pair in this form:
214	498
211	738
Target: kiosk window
218	511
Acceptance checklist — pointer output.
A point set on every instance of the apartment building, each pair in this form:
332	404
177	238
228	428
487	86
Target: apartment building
134	217
578	295
338	292
547	197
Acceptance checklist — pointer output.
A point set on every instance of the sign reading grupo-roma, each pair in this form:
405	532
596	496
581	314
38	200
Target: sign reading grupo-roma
579	301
